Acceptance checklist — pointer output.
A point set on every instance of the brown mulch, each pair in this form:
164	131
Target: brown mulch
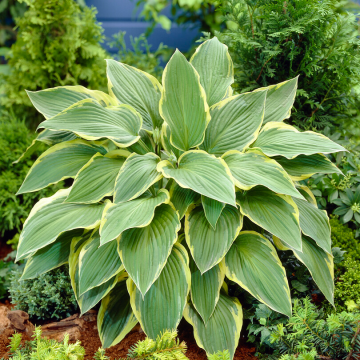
5	249
91	342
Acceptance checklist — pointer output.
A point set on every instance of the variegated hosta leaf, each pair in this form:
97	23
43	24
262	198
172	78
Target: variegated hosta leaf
89	299
50	217
213	63
144	251
182	198
165	140
51	256
116	318
307	194
209	246
96	179
162	306
51	102
48	137
144	145
59	162
212	209
302	167
276	213
89	120
136	175
252	262
254	168
235	123
136	88
279	100
205	289
97	264
320	265
131	214
222	331
203	173
284	140
315	223
183	103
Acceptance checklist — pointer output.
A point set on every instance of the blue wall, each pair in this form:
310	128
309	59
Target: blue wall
119	15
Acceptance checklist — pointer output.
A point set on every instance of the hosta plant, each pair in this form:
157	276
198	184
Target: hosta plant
177	186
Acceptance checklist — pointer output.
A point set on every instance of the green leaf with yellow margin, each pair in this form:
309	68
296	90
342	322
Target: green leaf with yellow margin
61	161
51	102
182	198
205	289
137	88
302	167
254	168
203	173
183	103
136	213
116	318
235	123
136	175
162	306
48	137
319	263
51	256
90	121
279	100
144	251
281	139
97	264
276	213
252	262
222	331
50	217
213	63
165	140
315	224
96	179
89	299
212	209
209	246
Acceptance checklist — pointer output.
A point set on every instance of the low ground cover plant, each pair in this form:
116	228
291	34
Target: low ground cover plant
44	349
310	335
177	186
48	296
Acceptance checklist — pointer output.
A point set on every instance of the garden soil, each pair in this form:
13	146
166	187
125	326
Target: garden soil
91	342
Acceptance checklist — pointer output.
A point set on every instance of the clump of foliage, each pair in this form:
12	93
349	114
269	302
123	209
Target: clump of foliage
165	347
44	349
140	55
9	10
272	41
347	289
185	12
58	43
172	198
344	238
48	296
309	333
7	266
339	193
14	139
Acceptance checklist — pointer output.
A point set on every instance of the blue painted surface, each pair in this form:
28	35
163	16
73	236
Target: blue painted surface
122	15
